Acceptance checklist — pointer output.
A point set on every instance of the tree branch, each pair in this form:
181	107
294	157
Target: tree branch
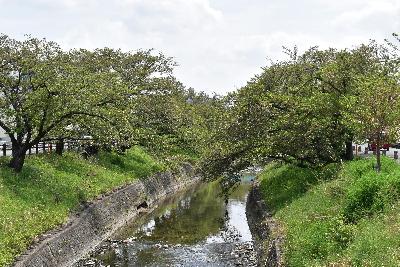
62	118
8	131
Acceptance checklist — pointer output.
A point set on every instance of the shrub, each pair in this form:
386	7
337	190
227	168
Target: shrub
370	192
363	197
345	218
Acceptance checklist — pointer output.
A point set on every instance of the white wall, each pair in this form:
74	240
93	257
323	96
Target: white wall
3	134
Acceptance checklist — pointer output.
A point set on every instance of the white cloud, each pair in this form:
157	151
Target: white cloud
369	9
219	44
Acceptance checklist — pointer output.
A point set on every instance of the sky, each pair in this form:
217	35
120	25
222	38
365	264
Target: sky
218	44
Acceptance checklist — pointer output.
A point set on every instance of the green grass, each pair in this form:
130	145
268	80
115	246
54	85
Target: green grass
50	187
345	215
173	155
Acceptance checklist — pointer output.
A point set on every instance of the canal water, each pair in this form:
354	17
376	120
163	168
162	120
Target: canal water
198	227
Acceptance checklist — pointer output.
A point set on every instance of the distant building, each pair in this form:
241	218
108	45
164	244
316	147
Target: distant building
3	135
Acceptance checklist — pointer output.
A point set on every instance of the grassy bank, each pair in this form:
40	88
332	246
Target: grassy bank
340	215
50	187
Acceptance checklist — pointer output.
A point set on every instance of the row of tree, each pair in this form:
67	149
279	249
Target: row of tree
309	109
119	98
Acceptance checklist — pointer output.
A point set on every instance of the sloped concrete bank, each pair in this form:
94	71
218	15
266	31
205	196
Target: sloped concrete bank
265	231
63	247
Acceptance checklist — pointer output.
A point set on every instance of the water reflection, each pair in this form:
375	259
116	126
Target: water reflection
187	230
190	221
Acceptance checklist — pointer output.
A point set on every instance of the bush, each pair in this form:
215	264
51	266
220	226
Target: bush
370	192
337	216
363	198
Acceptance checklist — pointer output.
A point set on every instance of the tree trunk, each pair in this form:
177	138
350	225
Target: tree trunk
18	158
349	151
378	153
60	146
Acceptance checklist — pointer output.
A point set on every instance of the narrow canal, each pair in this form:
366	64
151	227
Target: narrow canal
194	228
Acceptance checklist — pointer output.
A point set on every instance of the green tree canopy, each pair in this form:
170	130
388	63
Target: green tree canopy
297	110
46	92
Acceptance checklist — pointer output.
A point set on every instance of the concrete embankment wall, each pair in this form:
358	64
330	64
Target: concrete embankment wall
101	218
264	229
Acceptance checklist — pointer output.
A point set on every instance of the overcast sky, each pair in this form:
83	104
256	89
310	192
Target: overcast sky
218	44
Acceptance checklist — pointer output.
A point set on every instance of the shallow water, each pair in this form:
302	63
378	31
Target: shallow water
194	228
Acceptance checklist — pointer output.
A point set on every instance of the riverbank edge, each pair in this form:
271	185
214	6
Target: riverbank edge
99	219
268	239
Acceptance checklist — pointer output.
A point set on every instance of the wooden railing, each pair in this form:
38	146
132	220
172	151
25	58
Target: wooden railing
49	146
393	153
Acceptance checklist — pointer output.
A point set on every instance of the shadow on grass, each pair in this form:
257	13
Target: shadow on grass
49	187
39	183
281	184
134	161
66	180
